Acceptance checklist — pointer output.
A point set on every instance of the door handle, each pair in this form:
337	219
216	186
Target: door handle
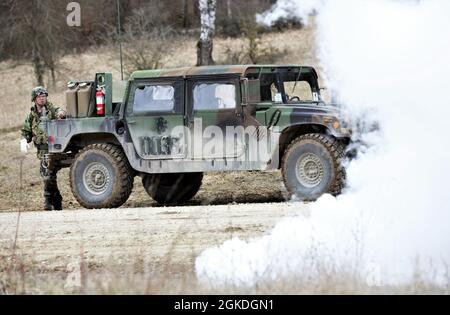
131	122
189	122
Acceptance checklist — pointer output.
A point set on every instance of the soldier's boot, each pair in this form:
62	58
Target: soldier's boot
48	202
57	201
49	194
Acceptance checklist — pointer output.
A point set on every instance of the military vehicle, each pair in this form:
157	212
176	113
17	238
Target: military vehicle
171	126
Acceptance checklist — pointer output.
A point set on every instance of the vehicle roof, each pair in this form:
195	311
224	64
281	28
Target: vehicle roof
241	70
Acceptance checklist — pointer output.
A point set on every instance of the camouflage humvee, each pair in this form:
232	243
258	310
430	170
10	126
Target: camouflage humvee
172	126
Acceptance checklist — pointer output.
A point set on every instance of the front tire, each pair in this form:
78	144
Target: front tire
312	166
172	188
101	177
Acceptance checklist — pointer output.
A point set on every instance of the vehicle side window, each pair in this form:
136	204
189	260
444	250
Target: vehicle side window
154	98
214	96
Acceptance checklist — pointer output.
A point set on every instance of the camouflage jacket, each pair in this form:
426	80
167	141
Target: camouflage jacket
31	130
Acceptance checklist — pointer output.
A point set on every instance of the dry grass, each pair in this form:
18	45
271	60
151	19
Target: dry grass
23	275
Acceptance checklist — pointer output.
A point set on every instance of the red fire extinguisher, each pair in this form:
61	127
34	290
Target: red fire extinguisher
100	100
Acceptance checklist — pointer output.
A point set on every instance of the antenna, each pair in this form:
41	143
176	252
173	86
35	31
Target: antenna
119	30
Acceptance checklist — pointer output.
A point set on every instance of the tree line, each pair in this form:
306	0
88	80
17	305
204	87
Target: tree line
36	31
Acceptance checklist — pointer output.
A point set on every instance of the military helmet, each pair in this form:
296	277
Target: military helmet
39	90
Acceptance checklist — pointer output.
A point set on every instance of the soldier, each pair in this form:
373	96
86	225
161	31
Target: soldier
32	132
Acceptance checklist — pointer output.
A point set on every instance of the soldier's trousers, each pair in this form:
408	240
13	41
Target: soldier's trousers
48	173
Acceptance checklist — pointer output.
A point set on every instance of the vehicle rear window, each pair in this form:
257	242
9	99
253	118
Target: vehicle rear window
214	96
154	98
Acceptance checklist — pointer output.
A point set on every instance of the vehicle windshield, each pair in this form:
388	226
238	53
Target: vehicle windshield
299	91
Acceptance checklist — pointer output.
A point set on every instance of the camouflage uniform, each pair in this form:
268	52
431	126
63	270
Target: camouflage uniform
48	169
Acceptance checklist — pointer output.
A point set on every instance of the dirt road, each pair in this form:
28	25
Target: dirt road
145	251
160	237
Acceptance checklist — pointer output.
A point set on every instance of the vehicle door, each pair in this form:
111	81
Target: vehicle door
155	118
215	118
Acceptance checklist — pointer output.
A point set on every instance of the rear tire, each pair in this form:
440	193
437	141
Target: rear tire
101	177
312	166
172	188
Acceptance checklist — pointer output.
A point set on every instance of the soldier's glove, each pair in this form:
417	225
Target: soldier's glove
24	146
61	114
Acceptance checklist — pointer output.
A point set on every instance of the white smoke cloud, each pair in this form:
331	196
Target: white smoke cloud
390	58
289	9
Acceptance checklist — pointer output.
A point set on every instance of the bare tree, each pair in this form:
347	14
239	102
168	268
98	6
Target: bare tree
207	10
33	34
185	13
229	12
145	46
